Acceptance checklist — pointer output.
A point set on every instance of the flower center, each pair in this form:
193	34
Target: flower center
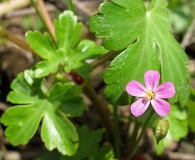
150	95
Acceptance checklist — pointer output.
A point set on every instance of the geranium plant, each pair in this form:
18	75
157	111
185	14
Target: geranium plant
140	50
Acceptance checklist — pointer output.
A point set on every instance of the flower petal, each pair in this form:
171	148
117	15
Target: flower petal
161	106
165	90
135	88
151	79
139	107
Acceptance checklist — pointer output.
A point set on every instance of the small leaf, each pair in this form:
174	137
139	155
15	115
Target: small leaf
37	103
67	30
69	52
86	49
44	46
145	37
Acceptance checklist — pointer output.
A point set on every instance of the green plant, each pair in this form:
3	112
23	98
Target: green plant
140	39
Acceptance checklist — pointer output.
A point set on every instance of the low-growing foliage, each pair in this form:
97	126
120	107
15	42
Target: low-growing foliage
145	52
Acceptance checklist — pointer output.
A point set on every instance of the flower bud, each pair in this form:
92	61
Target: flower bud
160	128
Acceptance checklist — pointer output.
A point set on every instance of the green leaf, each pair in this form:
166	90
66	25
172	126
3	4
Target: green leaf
23	122
36	103
145	37
68	52
67	98
67	30
43	45
88	145
58	132
178	128
105	153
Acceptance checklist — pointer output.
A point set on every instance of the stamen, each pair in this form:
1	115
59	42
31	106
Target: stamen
150	95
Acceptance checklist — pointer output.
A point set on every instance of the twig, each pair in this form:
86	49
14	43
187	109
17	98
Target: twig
9	6
46	18
19	42
186	39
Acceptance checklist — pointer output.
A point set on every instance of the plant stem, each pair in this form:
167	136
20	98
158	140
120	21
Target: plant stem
103	59
133	136
135	145
116	133
43	14
71	6
36	9
100	108
19	42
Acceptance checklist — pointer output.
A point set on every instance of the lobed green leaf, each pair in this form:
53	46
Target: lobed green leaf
68	52
67	30
58	132
52	106
89	147
22	122
145	37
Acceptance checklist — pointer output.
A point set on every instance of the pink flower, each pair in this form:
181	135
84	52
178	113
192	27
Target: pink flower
152	93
